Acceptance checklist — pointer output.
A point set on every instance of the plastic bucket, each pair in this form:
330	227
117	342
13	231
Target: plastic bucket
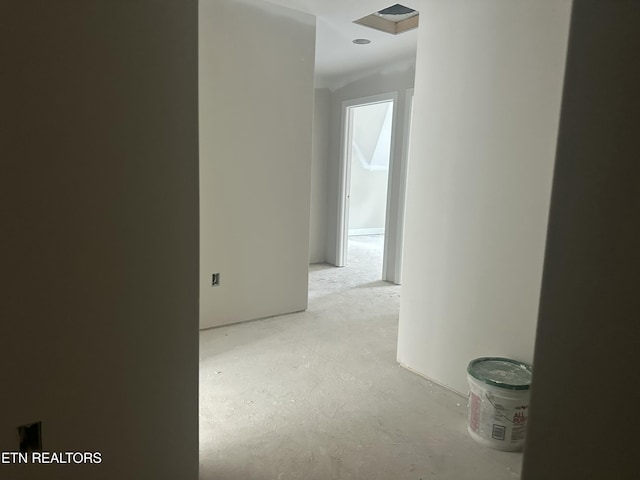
498	402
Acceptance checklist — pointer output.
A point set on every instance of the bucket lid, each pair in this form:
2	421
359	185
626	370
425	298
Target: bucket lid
501	372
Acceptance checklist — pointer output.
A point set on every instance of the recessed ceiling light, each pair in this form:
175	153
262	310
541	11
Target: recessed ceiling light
362	41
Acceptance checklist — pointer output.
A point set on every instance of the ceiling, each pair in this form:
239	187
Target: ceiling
337	57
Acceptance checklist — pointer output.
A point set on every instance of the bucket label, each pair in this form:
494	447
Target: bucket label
499	418
498	432
474	412
519	429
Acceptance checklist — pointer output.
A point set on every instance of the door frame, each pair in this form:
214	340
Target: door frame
402	191
345	176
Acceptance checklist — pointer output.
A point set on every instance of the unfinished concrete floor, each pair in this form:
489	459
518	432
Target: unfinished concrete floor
318	395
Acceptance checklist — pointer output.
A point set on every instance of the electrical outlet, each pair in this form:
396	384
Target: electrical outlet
30	437
215	279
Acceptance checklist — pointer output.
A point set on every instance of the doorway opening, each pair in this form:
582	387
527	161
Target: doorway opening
367	147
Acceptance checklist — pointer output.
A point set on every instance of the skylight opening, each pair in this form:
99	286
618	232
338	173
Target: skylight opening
395	19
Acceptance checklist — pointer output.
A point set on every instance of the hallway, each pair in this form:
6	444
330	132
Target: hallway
318	395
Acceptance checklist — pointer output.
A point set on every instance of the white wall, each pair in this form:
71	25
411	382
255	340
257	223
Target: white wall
395	78
99	244
370	146
487	101
368	199
583	421
319	176
256	114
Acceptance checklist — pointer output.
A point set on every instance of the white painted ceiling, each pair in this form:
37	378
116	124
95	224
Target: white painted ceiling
336	56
